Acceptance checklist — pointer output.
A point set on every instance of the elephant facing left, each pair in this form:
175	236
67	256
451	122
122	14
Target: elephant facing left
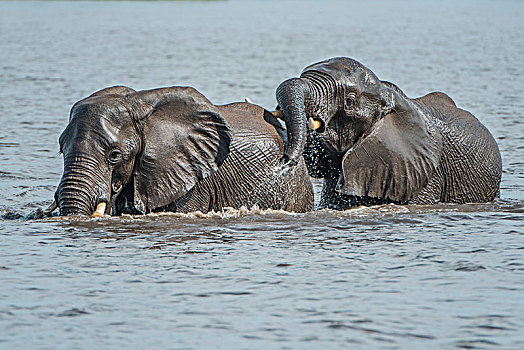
171	149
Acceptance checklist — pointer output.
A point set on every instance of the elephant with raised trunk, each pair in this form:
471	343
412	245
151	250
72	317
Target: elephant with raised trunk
372	144
170	149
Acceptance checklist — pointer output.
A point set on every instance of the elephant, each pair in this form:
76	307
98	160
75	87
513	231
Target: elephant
372	144
171	149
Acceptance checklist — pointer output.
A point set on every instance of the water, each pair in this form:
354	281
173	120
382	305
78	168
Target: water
394	277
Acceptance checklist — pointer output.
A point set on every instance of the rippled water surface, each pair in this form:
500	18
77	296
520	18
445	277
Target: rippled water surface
382	277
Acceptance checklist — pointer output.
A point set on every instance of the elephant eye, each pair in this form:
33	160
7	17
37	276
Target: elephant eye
115	156
350	100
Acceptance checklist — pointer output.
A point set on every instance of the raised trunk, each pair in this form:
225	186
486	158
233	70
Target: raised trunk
291	97
80	190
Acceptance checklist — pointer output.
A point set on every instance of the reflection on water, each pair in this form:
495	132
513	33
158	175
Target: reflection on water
448	276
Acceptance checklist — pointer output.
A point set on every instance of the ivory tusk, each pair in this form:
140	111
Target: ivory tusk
100	210
277	113
248	100
51	208
314	124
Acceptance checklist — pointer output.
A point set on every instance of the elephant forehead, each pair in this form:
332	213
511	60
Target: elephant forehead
114	110
347	72
109	129
108	121
96	107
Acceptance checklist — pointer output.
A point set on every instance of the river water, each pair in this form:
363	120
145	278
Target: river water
395	277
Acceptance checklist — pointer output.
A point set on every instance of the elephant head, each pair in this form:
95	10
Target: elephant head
381	142
127	151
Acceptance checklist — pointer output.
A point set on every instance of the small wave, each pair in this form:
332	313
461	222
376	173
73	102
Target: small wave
232	213
9	215
510	206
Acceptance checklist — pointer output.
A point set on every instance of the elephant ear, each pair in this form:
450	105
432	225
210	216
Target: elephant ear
396	159
185	139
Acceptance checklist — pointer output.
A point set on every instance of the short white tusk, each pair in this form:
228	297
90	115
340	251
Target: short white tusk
248	100
314	124
278	113
51	208
100	210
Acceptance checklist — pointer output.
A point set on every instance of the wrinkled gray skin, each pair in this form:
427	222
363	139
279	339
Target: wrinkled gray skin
375	145
170	149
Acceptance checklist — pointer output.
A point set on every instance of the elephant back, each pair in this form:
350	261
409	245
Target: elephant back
470	166
253	122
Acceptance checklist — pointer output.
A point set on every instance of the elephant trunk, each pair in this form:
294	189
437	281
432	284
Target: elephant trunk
291	96
80	190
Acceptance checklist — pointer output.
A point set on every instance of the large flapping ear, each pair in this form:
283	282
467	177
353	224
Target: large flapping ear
397	158
185	139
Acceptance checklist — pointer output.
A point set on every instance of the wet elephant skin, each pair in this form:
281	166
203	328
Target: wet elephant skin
170	149
372	144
